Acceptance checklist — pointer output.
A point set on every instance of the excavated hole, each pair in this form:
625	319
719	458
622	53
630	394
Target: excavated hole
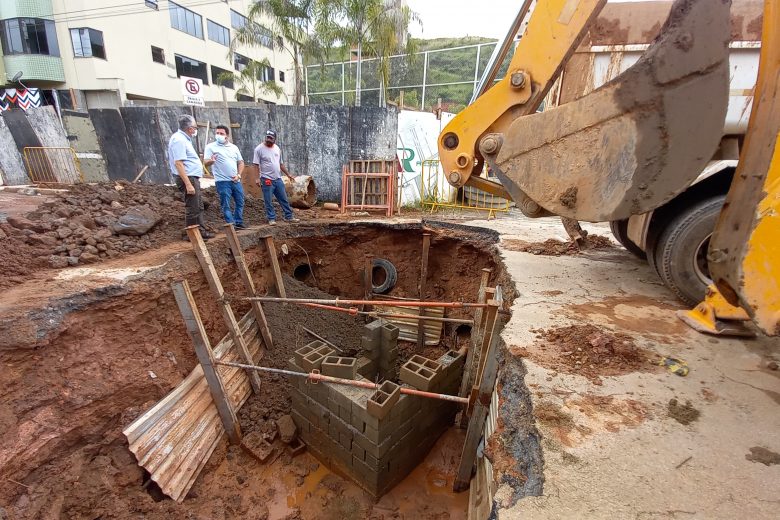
107	352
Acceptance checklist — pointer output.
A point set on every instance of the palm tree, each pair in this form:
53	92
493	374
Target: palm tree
370	27
250	80
291	26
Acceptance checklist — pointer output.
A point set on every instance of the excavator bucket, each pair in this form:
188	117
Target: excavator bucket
636	142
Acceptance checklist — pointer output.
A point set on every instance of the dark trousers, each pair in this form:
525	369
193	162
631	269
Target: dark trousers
193	208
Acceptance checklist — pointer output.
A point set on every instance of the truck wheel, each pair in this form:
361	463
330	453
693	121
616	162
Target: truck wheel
681	250
620	232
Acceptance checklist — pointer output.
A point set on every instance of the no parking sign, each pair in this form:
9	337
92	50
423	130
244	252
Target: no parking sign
192	89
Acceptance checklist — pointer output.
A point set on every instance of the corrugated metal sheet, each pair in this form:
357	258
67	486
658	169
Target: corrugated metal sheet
409	326
175	438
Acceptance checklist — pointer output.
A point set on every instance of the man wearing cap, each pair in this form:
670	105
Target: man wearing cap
187	170
228	167
268	158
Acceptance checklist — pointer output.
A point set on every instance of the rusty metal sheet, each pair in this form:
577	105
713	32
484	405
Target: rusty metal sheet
174	439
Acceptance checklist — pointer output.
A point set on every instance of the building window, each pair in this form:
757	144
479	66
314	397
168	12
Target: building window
218	33
29	36
87	43
240	62
281	76
266	74
158	55
152	4
191	68
222	77
242	97
186	20
237	20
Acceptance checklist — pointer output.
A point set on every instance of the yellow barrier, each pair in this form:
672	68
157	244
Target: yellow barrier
438	193
52	165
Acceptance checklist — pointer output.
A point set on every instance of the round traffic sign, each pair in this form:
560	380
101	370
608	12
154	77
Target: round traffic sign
192	86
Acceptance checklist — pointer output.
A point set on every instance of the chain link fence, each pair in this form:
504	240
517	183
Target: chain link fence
420	80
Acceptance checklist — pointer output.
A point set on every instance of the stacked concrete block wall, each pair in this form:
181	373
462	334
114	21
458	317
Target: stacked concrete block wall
375	445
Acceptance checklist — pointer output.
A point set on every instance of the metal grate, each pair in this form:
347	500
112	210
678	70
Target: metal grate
52	165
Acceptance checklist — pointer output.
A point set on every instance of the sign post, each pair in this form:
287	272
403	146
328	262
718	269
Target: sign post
192	90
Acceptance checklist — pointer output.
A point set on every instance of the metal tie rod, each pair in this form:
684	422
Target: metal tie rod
376	303
316	377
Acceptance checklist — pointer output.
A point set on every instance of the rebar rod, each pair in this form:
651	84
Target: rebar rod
381	303
317	377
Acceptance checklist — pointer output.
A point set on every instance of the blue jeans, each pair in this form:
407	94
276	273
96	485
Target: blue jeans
275	189
228	190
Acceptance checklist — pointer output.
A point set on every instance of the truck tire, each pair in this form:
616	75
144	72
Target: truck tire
620	232
387	274
681	250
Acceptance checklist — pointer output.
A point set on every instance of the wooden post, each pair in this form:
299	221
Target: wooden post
278	280
368	279
189	311
471	355
246	277
481	405
224	307
491	314
426	245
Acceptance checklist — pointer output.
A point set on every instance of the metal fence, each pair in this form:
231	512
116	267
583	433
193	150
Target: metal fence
419	80
437	193
52	165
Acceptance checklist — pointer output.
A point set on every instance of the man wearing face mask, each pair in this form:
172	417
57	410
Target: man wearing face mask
187	170
268	158
228	167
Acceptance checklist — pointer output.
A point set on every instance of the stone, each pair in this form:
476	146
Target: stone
3	235
72	260
91	250
42	240
287	428
75	251
116	205
102	247
64	232
24	223
92	241
64	212
136	222
58	262
88	258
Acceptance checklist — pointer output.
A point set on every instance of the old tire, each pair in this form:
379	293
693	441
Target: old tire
681	250
620	232
383	270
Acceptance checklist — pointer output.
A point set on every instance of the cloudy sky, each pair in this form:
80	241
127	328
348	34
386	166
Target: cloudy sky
453	18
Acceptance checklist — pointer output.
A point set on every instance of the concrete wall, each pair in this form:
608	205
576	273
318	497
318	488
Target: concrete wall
12	170
115	144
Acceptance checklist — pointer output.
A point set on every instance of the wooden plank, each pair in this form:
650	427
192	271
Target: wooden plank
471	355
368	279
277	272
207	265
249	284
491	316
189	311
481	406
426	246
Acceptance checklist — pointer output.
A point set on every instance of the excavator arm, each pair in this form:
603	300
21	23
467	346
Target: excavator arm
638	141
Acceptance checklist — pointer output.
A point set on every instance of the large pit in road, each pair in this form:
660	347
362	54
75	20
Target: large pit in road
86	351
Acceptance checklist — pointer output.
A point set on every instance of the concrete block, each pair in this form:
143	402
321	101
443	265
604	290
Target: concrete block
345	439
421	375
373	329
367	368
345	414
295	367
390	354
383	400
342	367
254	444
300	422
296	447
358	451
304	351
312	361
389	332
370	344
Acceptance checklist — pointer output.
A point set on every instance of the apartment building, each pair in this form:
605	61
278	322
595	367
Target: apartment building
102	53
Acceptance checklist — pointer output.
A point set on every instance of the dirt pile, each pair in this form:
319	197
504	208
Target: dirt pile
589	351
553	247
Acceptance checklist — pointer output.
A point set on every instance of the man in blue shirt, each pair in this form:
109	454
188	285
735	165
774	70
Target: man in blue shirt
187	170
227	170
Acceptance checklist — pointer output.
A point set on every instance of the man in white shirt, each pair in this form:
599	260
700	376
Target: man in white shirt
228	165
268	158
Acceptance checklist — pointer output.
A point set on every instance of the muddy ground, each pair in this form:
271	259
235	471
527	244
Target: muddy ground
78	349
553	247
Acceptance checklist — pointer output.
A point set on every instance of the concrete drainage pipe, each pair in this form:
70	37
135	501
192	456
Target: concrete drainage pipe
302	193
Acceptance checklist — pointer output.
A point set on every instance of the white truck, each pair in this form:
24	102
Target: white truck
674	237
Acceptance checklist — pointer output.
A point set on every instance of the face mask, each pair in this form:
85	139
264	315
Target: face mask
221	139
194	134
269	144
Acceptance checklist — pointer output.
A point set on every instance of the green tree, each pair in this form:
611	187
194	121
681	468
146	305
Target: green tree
375	28
291	23
250	80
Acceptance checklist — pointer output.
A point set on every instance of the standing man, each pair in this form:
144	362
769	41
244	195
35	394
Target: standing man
227	170
187	170
268	158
